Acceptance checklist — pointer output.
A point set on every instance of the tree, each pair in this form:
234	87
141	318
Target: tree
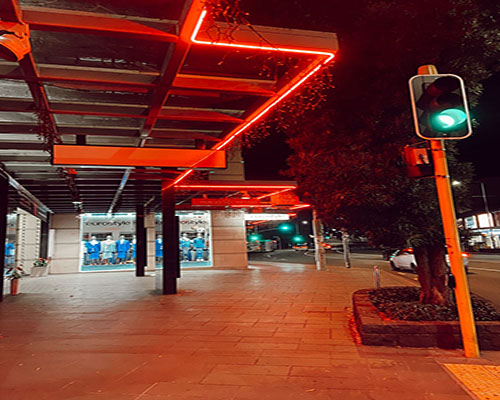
347	156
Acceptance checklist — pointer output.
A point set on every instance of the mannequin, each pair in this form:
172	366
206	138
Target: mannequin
93	250
199	245
108	250
10	250
185	245
122	248
159	248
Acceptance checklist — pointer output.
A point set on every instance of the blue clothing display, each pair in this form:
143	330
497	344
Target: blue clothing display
199	245
9	249
93	250
122	247
185	245
134	250
108	248
159	248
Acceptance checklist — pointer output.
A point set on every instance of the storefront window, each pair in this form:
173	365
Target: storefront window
194	239
10	241
108	242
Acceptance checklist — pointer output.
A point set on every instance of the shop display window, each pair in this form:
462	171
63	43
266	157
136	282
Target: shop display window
22	242
108	242
195	248
10	242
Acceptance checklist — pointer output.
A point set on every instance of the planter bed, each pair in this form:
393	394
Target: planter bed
377	330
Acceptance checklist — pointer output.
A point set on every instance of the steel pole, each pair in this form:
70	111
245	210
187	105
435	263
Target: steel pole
4	207
487	210
464	305
319	249
345	246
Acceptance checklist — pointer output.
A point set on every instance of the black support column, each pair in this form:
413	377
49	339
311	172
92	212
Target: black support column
171	265
4	201
140	234
44	238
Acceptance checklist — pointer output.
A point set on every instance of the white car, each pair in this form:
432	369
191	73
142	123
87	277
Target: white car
405	259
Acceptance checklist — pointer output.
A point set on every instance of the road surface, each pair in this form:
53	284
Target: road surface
484	269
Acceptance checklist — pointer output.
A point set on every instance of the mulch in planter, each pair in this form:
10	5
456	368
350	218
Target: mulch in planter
401	303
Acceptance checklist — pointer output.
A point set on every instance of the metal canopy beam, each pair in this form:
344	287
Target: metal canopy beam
10	11
57	20
100	95
141	79
119	110
171	66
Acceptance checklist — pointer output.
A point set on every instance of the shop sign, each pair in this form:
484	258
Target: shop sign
266	217
470	222
226	202
105	224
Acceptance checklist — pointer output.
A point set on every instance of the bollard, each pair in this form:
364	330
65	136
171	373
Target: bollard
376	276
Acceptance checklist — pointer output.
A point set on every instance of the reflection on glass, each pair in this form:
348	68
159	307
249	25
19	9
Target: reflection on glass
194	239
108	242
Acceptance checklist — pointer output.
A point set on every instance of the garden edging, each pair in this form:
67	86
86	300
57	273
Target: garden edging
378	331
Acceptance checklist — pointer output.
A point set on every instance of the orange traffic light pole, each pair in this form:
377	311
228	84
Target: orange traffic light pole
464	305
462	294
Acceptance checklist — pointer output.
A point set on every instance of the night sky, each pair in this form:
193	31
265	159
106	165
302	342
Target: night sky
482	148
267	159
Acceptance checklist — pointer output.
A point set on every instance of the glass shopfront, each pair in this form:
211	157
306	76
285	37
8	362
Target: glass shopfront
10	241
108	242
195	248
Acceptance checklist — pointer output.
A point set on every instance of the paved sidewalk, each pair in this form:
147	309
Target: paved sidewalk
275	331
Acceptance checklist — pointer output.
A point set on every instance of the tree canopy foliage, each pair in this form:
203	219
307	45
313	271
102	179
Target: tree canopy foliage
347	156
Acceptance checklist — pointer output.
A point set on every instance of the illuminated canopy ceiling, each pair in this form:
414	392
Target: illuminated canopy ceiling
145	73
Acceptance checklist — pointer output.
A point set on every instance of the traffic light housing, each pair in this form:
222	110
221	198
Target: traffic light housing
439	106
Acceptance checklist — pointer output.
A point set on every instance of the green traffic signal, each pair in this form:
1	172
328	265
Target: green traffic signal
285	227
254	237
439	105
448	119
298	239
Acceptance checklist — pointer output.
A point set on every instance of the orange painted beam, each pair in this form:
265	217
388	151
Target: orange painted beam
135	157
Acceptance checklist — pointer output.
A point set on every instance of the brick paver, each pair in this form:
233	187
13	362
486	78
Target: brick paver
275	331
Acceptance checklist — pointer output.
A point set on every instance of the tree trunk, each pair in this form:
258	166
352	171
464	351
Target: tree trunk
432	274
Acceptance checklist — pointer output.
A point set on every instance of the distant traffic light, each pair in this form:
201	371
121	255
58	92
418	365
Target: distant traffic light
255	236
285	227
440	107
298	239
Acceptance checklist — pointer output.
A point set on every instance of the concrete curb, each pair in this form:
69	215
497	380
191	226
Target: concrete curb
375	330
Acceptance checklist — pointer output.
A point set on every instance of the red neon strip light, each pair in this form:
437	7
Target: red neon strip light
235	187
278	192
328	57
251	46
250	205
181	177
298	207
